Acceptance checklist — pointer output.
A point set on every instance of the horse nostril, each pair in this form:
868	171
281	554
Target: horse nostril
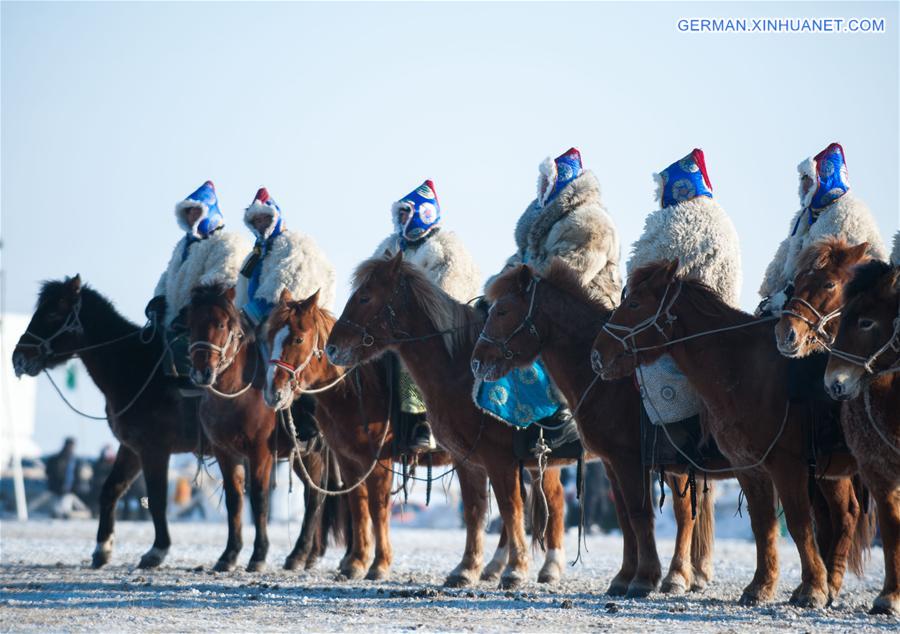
791	336
837	388
331	350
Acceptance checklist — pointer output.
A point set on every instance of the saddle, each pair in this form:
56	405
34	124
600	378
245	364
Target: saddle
657	450
562	440
823	421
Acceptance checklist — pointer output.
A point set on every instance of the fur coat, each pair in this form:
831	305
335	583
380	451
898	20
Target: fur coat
443	257
215	260
295	262
847	217
701	235
576	228
895	254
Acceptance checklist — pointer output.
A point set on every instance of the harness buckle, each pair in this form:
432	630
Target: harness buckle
368	340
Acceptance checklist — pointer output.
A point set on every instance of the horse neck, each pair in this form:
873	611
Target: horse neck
116	367
885	395
569	327
717	364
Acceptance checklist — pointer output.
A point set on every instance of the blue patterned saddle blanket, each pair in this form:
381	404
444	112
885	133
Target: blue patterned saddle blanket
519	398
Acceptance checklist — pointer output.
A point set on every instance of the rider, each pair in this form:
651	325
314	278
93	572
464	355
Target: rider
440	253
827	208
207	254
568	221
689	225
281	259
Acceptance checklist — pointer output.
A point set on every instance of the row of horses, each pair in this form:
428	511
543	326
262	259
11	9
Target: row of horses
842	304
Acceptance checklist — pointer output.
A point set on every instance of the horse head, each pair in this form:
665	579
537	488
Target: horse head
370	320
643	320
868	339
810	318
296	330
509	338
216	335
54	332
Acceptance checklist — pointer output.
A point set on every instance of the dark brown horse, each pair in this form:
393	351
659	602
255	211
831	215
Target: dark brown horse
353	410
864	371
742	380
240	426
554	318
395	307
142	405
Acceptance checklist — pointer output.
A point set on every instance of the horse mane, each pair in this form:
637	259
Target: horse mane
459	322
825	252
704	299
867	277
104	314
214	295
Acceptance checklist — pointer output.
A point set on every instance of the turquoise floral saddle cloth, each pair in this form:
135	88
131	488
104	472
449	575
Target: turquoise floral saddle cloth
519	398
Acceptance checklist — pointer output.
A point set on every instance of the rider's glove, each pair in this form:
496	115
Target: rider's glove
156	309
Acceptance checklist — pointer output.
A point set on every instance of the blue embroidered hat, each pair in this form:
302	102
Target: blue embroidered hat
425	212
263	204
210	219
556	173
832	180
684	180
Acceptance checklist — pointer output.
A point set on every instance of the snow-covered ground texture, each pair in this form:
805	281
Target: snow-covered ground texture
46	584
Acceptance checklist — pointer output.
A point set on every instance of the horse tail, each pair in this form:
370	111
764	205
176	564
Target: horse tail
704	533
866	525
335	521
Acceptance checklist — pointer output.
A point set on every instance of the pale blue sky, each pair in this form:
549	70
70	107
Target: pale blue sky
111	113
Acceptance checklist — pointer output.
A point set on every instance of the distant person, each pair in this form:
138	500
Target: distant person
60	499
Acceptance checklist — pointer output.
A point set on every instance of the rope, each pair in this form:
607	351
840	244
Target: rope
541	452
243	390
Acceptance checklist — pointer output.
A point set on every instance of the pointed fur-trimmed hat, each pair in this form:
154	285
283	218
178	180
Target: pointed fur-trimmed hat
205	199
556	173
683	180
264	204
425	212
827	177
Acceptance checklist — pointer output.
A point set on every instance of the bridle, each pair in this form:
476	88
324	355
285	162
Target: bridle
234	340
820	320
527	324
391	315
295	371
868	362
71	324
627	339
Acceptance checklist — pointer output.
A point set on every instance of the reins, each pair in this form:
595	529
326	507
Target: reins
527	324
821	320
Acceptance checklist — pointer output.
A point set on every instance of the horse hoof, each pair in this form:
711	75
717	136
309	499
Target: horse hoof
491	576
153	558
511	581
256	565
617	588
352	573
457	581
377	574
100	559
810	599
884	605
639	590
294	563
224	565
311	562
701	580
673	586
549	576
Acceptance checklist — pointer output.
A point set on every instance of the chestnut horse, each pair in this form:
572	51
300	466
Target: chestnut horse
353	413
554	318
240	426
864	371
142	405
743	382
401	310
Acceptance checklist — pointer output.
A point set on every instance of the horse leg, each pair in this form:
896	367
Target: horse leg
379	486
355	562
309	545
637	496
473	490
681	574
887	501
260	474
156	476
554	560
760	494
791	484
844	513
497	563
506	484
233	486
703	536
620	582
125	469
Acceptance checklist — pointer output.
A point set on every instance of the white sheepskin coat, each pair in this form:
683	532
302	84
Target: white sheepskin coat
295	262
895	254
444	258
847	217
576	228
701	235
215	260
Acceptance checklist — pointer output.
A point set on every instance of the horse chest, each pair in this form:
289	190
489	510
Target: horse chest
868	447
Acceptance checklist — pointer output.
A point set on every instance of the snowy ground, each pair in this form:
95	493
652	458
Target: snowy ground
46	584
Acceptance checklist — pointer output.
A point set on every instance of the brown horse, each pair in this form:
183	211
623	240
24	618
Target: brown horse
864	371
142	405
353	413
240	426
554	318
742	380
810	318
401	310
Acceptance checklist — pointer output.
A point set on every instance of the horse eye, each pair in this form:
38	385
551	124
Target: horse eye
866	324
364	300
633	305
220	325
830	285
298	341
502	313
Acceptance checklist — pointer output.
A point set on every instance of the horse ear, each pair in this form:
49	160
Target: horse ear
75	283
286	297
313	300
230	293
524	276
396	261
857	253
671	269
